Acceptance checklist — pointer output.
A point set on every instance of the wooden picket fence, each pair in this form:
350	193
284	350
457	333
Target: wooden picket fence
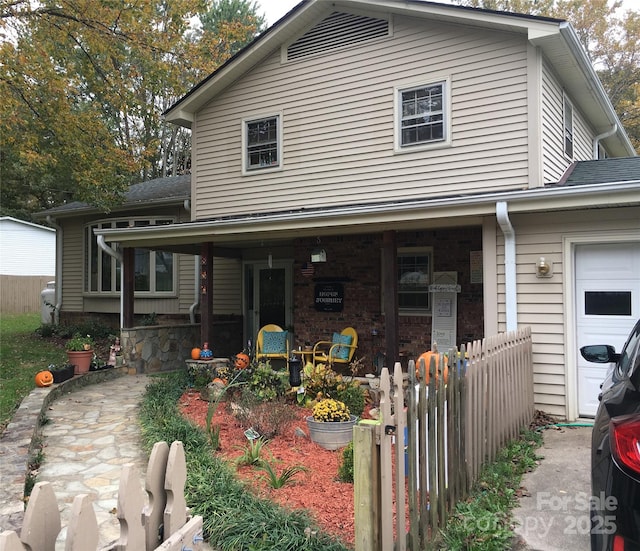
439	435
162	525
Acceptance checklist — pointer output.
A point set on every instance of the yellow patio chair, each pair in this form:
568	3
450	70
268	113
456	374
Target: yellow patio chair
272	343
339	350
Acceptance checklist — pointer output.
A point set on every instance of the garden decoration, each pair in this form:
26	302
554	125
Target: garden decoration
242	361
206	353
331	425
44	378
80	352
426	356
195	353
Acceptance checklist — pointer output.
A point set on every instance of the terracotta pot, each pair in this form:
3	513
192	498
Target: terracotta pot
81	360
332	435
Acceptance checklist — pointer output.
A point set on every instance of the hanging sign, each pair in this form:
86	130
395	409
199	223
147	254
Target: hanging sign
329	297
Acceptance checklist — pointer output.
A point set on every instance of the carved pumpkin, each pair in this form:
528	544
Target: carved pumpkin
195	353
44	378
242	361
426	356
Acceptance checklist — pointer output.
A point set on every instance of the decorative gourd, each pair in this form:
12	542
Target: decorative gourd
44	378
242	361
206	353
426	356
195	353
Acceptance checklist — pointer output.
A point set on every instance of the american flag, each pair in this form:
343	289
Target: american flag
307	269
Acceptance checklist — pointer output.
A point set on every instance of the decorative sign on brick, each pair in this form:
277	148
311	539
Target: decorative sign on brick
329	297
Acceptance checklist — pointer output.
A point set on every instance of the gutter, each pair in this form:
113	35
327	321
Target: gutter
58	289
502	216
596	140
118	257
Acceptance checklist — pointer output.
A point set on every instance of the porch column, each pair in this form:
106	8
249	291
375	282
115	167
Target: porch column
128	285
389	286
206	293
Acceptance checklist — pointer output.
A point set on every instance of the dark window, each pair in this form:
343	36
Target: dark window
607	303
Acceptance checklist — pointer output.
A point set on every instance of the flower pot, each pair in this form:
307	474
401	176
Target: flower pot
64	374
331	435
81	360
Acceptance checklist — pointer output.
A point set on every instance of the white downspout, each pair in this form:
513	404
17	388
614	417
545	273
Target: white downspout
58	301
511	298
596	140
196	277
118	257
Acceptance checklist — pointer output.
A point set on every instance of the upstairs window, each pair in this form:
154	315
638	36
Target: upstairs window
422	116
262	143
568	128
154	270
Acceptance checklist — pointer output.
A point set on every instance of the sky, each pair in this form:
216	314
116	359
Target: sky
275	9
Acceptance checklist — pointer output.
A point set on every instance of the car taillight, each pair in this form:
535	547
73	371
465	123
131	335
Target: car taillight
625	438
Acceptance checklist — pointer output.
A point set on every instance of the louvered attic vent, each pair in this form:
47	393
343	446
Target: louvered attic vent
336	31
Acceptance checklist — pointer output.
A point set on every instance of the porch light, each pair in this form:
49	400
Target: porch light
544	268
318	255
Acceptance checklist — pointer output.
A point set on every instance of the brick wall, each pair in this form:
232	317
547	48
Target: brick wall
355	262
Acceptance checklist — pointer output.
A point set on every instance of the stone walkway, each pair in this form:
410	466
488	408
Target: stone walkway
90	435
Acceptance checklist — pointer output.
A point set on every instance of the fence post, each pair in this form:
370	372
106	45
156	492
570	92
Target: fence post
82	533
41	524
9	541
154	485
175	514
386	477
130	505
366	477
400	424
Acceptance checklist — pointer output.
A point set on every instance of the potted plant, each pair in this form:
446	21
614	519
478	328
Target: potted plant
80	352
331	424
61	372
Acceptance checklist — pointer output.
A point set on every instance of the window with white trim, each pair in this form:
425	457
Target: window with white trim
154	270
415	267
262	143
568	127
421	115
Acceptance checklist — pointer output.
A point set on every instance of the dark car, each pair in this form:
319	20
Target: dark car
615	449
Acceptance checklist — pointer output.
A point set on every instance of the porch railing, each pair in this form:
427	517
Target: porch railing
426	450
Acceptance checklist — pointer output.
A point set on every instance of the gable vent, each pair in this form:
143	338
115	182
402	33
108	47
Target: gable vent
337	31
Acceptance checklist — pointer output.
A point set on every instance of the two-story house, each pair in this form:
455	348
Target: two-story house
419	172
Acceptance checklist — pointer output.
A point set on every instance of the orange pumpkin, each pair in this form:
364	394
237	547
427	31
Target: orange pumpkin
219	382
242	361
195	353
44	378
426	356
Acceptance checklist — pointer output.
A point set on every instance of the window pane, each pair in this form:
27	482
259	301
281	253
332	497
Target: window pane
106	272
607	303
262	143
413	281
164	271
422	115
142	270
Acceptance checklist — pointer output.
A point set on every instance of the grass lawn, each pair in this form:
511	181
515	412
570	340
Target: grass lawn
22	355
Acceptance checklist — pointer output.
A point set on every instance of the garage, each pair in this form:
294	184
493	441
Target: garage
607	305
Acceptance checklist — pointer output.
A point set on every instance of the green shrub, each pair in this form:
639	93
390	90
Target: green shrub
345	469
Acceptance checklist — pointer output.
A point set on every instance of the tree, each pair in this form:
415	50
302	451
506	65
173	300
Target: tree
84	84
611	39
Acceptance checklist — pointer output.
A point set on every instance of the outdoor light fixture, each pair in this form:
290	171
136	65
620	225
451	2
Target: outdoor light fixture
318	254
544	268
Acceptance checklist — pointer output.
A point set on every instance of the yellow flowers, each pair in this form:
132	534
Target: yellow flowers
331	411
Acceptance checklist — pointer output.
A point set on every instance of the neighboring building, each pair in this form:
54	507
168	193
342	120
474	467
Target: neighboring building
27	263
407	144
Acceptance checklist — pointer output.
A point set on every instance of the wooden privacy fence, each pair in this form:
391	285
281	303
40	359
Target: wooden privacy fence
438	434
162	525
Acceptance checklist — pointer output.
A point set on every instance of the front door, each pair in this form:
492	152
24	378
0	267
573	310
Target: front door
268	293
608	304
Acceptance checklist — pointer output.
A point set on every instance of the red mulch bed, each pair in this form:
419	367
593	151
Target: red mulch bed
327	500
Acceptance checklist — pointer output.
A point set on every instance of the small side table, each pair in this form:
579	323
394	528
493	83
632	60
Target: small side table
306	355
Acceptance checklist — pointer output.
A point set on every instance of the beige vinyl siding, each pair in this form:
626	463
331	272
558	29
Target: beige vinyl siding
541	302
338	124
227	286
582	137
554	163
72	265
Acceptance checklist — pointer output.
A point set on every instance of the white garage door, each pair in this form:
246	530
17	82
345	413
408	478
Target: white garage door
608	304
